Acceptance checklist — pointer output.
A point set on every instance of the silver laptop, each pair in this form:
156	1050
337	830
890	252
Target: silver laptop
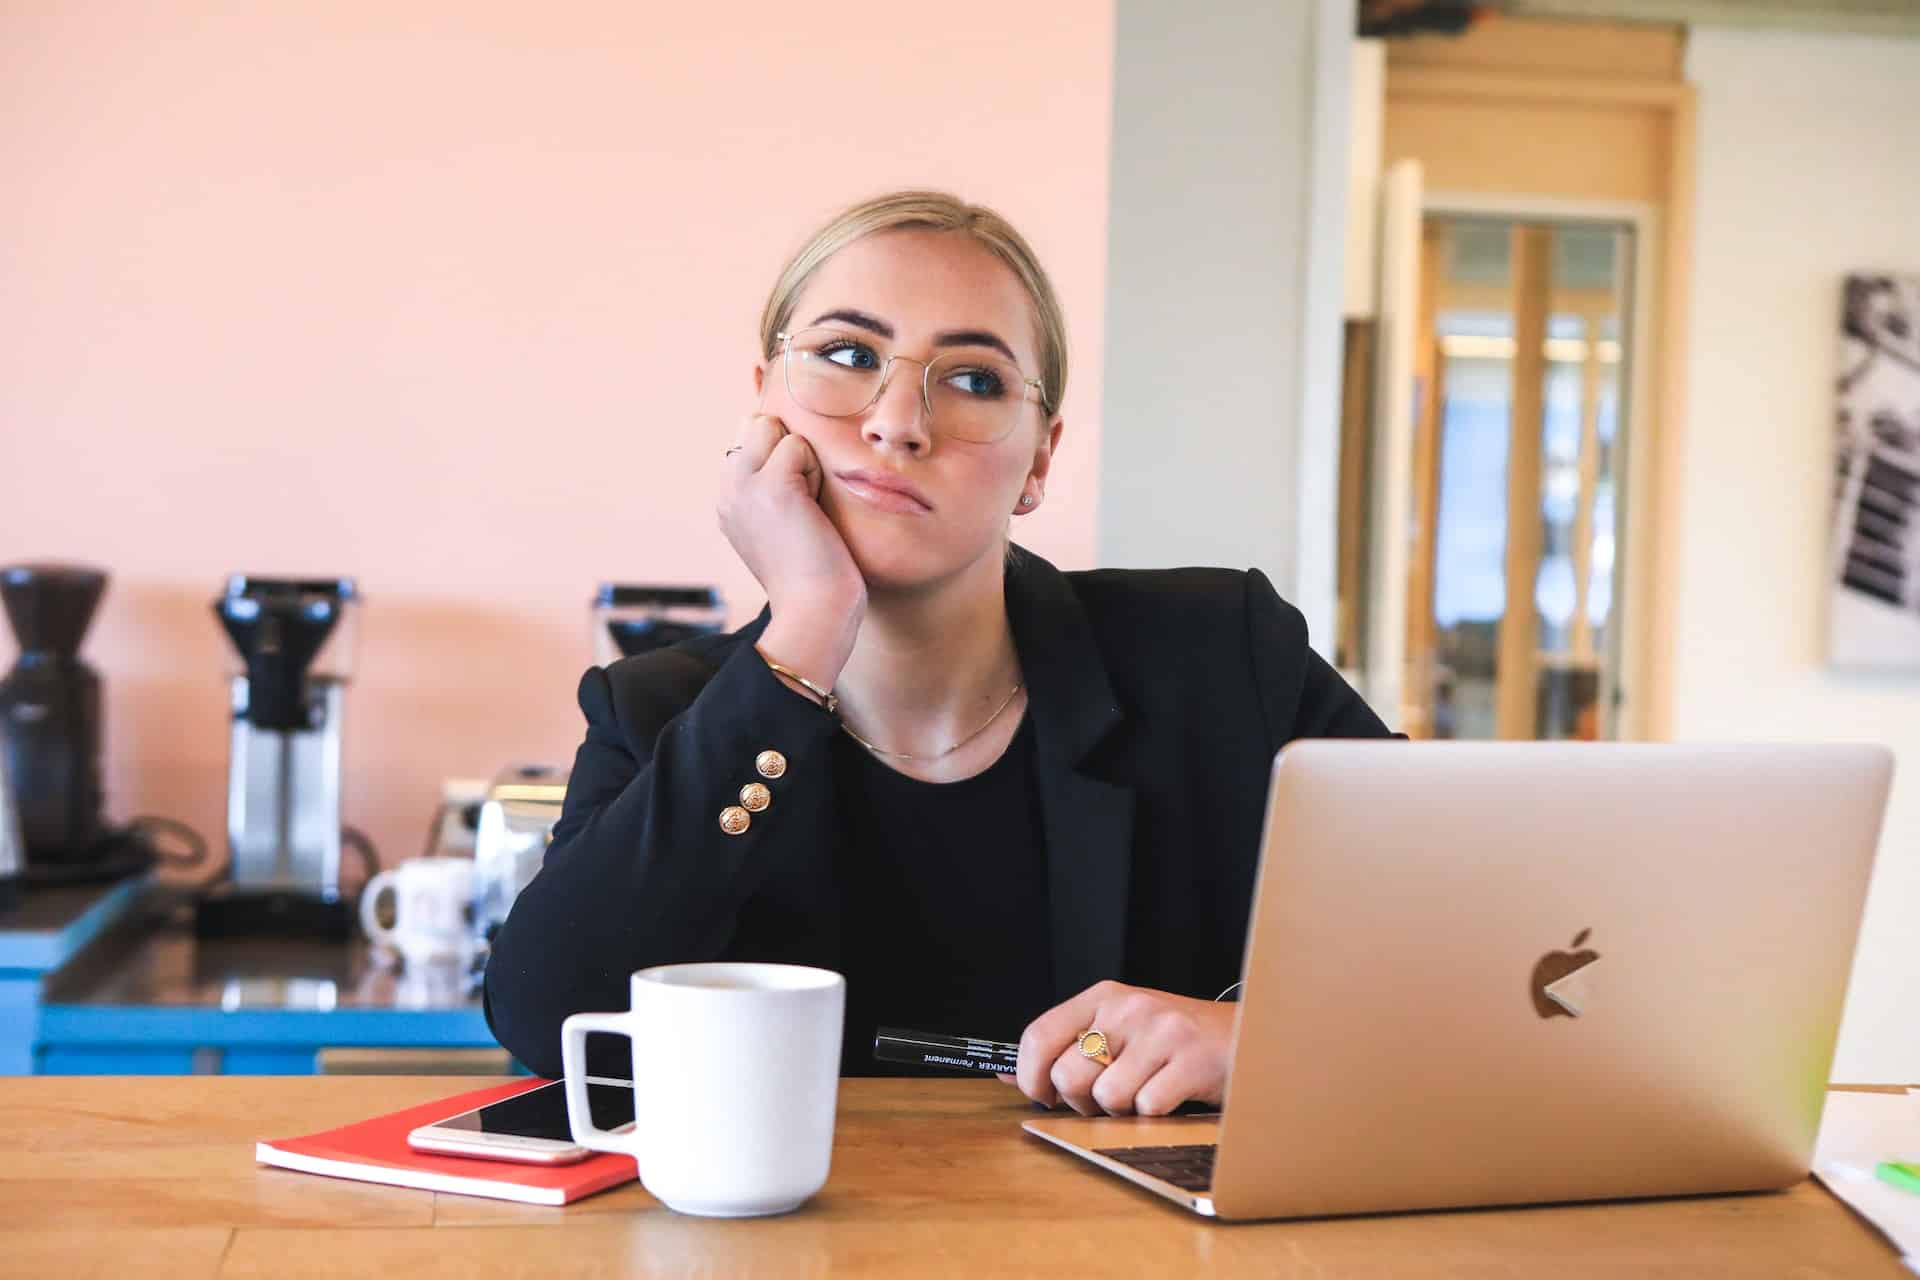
1483	974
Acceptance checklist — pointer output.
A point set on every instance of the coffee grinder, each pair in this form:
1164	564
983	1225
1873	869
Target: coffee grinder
50	737
293	640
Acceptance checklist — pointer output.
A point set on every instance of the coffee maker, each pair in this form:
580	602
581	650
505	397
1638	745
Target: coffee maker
50	729
510	842
630	618
293	645
13	850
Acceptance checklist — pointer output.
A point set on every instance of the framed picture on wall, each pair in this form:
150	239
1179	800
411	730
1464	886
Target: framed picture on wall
1873	618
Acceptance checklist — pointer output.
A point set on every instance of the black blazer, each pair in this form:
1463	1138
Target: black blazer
1158	698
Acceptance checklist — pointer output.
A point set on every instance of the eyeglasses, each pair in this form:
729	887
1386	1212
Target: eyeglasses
968	396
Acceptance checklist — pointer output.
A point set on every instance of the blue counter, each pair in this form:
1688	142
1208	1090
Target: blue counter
141	995
44	931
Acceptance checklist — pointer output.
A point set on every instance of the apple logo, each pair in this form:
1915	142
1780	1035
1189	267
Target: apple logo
1553	969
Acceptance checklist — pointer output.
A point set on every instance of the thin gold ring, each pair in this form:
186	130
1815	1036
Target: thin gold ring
1093	1044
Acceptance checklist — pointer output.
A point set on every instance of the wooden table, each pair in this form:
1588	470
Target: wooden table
127	1176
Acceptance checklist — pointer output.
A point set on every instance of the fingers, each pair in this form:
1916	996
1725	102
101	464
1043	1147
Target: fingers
794	456
1073	1076
1174	1083
756	442
767	447
1048	1036
1116	1089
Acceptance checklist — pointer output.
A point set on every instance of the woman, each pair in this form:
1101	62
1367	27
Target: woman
1005	801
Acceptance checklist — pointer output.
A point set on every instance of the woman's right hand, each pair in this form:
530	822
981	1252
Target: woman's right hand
770	511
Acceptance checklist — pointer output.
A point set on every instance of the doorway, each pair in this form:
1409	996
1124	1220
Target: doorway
1516	509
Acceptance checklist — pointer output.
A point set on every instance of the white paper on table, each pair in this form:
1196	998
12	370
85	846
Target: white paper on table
1857	1132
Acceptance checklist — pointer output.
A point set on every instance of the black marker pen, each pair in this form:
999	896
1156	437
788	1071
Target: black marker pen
933	1049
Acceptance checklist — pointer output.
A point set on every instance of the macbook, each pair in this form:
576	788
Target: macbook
1508	973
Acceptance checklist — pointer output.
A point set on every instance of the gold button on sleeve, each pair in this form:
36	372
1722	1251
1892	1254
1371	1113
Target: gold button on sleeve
771	764
734	820
754	797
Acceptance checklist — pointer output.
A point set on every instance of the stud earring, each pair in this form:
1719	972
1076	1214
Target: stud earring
1027	501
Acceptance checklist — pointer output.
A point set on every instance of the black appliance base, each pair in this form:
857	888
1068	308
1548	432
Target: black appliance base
124	853
227	912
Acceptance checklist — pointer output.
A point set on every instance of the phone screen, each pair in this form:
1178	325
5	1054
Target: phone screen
542	1112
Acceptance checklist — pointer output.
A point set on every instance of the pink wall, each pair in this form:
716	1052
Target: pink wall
458	299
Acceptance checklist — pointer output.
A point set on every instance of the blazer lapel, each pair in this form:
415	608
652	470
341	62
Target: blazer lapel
1087	821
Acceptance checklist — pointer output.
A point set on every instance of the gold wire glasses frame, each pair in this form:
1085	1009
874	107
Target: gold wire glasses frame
830	389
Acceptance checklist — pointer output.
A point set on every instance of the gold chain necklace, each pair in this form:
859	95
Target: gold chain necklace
902	755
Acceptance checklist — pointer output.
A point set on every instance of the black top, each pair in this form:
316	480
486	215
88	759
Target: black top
944	898
1157	701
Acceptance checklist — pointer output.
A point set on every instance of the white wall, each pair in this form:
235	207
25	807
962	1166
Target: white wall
1366	138
1809	167
1227	197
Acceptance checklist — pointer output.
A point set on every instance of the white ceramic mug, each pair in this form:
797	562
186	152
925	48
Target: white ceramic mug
434	982
432	908
736	1073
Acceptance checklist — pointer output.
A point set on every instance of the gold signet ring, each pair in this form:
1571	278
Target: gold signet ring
1093	1044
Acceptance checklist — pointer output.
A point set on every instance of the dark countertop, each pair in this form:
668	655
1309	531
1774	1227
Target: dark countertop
52	910
152	959
46	927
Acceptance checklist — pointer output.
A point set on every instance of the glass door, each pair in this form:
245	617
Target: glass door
1518	461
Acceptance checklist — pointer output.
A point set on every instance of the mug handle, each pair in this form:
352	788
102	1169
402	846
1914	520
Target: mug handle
369	920
573	1068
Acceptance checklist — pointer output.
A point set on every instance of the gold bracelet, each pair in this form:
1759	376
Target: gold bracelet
827	700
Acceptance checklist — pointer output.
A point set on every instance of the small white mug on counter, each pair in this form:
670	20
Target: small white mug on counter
432	908
736	1073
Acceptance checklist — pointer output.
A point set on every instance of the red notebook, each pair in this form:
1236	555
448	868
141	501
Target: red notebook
376	1150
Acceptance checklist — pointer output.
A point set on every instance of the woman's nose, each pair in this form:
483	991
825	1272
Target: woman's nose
898	419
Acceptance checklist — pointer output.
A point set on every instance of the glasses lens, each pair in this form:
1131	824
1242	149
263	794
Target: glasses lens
833	371
975	397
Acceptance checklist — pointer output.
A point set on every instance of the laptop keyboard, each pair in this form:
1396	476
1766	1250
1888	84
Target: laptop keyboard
1188	1168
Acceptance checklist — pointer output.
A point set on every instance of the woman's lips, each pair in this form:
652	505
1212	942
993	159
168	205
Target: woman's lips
887	492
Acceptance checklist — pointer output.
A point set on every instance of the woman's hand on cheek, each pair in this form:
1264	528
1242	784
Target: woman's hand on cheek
770	512
1166	1050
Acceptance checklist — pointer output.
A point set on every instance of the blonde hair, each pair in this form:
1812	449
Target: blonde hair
937	211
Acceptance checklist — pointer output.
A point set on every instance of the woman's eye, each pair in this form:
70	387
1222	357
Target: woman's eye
851	355
977	382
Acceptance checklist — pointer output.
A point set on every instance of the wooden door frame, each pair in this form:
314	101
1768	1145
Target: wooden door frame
1593	68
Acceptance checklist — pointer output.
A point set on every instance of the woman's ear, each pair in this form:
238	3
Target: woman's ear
1036	485
1043	455
759	376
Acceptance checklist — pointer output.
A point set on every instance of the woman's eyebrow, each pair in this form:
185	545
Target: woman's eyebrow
952	338
859	319
974	338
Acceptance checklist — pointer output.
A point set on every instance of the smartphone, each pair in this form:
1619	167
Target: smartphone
530	1127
